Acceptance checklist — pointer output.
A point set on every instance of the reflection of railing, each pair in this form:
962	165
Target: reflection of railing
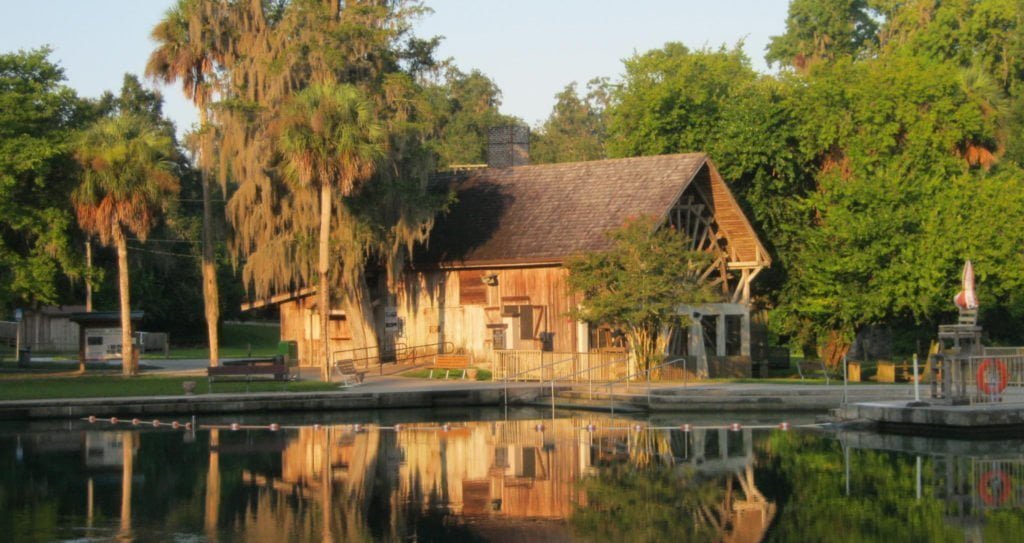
997	483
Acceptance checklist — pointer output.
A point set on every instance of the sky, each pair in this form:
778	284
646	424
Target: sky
530	48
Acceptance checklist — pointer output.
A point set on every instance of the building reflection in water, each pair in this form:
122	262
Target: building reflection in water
344	483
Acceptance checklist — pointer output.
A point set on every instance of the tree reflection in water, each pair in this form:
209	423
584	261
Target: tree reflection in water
501	481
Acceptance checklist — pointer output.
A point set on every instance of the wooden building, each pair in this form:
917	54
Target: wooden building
492	282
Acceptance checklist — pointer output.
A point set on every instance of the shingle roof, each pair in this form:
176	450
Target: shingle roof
546	213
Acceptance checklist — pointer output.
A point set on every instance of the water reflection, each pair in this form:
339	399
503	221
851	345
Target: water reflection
523	480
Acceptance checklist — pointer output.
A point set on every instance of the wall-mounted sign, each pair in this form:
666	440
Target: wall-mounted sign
390	319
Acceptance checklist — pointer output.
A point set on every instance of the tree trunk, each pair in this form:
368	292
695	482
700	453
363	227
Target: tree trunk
835	349
359	314
211	297
127	354
324	287
211	294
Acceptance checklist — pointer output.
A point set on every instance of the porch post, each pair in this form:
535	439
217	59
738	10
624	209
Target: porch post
745	332
720	335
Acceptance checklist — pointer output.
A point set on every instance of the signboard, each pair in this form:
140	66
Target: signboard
390	319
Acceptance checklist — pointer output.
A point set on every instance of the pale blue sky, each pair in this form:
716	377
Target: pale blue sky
530	48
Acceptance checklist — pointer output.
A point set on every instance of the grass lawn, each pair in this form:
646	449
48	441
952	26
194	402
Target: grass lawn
236	340
481	375
111	386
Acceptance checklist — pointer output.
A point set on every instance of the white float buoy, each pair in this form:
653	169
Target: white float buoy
234	426
735	427
784	426
274	427
686	427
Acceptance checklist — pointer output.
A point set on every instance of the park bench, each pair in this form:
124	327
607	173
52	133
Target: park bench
346	369
449	362
247	368
812	366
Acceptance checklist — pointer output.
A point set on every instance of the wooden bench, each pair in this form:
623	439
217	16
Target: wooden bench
247	368
449	362
346	369
812	366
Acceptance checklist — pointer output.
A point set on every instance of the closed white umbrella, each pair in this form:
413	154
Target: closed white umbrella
966	299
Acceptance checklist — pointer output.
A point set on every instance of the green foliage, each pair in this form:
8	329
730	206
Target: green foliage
638	284
464	107
673	99
575	131
823	30
872	176
881	506
38	115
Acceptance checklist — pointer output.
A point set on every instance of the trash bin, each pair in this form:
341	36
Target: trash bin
290	351
24	357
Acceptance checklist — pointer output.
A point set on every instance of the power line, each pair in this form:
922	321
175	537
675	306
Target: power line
147	240
164	253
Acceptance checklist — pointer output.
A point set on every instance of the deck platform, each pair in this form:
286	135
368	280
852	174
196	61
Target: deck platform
993	419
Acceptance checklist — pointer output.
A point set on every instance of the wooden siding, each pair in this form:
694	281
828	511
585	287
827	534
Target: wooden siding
301	323
433	309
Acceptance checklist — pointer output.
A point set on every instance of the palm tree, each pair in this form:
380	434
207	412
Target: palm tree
126	180
329	138
185	51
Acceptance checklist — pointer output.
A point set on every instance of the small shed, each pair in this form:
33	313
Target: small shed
99	334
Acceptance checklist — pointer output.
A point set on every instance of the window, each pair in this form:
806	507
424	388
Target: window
525	322
472	289
94	340
498	339
604	338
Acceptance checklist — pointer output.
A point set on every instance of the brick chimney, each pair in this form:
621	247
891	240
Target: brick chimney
508	146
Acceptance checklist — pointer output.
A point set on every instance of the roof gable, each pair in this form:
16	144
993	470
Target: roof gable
547	213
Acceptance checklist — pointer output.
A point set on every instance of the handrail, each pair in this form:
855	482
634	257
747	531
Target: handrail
553	364
394	350
647	372
445	347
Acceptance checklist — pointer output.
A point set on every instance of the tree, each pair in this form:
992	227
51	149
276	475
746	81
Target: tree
639	283
466	107
673	99
329	137
186	45
38	115
822	31
126	182
575	130
272	51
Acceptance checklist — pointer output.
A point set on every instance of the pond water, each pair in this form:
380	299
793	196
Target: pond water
528	477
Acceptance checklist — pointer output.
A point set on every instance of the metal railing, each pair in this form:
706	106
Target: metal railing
572	376
988	378
646	373
530	365
401	352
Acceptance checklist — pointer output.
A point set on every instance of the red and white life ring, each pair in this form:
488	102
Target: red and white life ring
984	385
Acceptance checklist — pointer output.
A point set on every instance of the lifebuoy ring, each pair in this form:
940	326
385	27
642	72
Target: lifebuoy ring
985	490
984	384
